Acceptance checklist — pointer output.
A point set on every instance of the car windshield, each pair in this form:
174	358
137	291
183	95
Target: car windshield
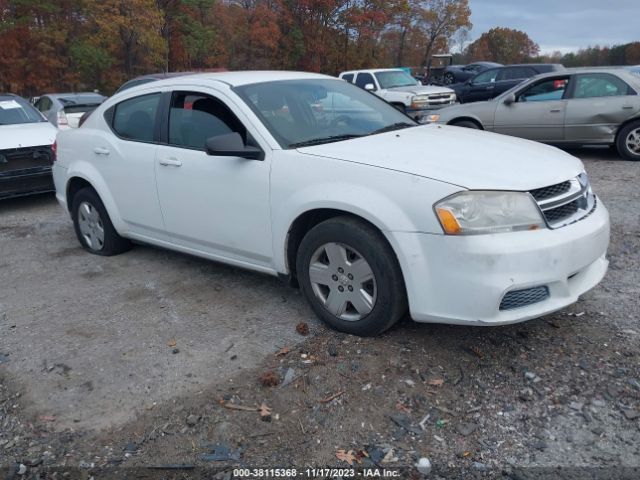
395	78
15	110
311	112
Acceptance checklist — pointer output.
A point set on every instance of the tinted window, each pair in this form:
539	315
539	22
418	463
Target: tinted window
599	85
486	77
552	89
134	119
14	110
364	79
348	77
195	117
516	73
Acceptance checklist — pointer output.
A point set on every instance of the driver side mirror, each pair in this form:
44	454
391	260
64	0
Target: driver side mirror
370	87
510	99
232	145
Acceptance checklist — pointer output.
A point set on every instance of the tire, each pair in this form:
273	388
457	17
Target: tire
93	226
376	286
449	79
466	124
628	142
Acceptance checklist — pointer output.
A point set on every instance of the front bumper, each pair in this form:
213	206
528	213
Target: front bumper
462	280
19	183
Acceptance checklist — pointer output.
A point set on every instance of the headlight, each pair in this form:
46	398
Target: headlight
474	213
420	99
432	118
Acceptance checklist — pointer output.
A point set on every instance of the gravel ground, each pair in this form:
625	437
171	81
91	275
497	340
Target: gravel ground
90	386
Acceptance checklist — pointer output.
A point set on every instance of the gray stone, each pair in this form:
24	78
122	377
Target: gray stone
192	420
465	429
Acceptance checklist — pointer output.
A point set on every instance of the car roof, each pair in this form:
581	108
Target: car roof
236	79
374	70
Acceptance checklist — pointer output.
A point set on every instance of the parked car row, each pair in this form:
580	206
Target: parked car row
570	107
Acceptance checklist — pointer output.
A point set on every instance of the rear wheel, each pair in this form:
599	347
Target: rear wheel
93	226
628	142
351	277
449	79
466	124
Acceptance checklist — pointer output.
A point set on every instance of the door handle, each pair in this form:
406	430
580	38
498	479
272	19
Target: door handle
627	107
101	151
170	162
490	88
556	110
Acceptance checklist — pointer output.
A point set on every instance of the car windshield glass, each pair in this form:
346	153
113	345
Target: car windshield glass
311	112
15	110
395	78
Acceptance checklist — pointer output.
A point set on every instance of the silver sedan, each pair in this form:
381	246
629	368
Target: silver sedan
574	107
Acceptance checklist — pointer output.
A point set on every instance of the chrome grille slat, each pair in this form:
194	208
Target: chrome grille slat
565	203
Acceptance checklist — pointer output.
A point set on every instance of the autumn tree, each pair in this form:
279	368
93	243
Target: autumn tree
441	19
503	45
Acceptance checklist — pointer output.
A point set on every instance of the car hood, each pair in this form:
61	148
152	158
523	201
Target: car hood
421	90
472	159
26	135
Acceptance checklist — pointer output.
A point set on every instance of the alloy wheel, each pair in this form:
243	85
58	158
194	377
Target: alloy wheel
343	281
633	141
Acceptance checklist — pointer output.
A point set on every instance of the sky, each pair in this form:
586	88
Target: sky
564	25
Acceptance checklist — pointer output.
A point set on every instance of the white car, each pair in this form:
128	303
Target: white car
25	148
401	90
369	212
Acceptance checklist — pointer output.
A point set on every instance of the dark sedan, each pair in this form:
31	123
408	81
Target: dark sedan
462	73
495	81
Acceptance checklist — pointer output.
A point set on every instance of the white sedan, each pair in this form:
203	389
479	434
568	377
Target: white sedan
316	181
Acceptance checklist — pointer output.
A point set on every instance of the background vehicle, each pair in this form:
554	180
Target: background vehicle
461	73
308	178
495	81
64	110
576	107
401	90
635	69
25	148
434	71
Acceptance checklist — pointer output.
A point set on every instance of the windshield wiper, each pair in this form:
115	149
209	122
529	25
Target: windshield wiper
392	127
321	140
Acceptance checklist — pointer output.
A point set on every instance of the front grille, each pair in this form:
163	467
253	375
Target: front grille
549	192
561	213
567	202
24	158
523	298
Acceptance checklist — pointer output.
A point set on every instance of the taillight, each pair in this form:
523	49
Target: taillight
62	118
54	151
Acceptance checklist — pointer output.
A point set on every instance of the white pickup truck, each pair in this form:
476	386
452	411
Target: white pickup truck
401	90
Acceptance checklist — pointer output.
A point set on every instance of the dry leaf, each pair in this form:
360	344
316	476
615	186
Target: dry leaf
402	407
171	343
345	456
331	397
265	412
478	353
302	328
269	379
436	382
283	351
47	418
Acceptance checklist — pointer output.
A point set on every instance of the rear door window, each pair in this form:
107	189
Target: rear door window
600	85
348	77
516	73
135	118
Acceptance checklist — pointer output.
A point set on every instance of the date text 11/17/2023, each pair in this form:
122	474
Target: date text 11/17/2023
314	473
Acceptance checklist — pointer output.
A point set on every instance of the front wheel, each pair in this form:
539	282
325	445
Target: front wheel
628	142
351	277
93	226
